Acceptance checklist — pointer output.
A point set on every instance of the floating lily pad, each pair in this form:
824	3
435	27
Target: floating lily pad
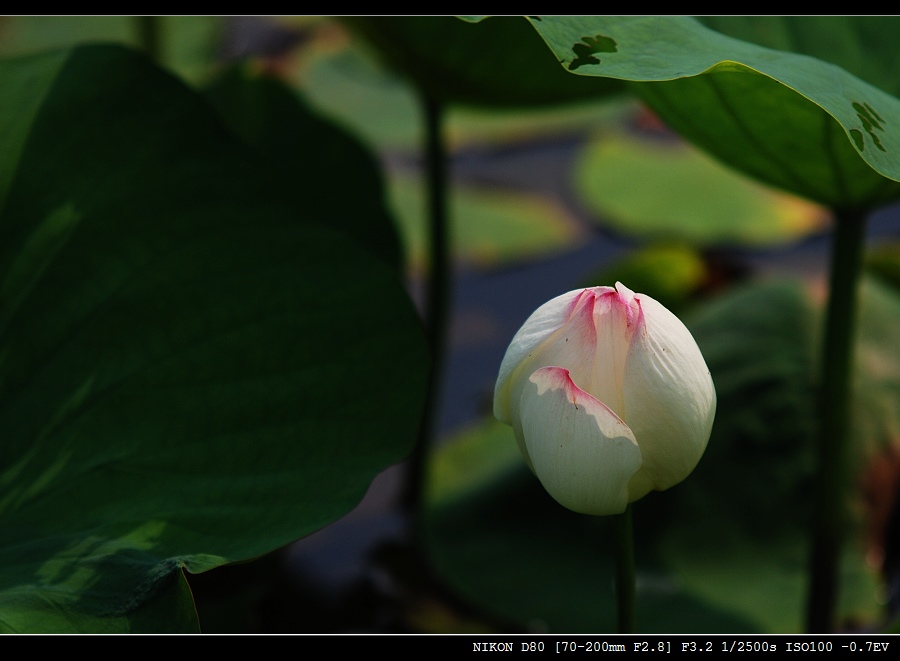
668	190
489	227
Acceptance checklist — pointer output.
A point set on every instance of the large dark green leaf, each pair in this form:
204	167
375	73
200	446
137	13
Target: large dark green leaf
865	46
191	371
791	120
301	147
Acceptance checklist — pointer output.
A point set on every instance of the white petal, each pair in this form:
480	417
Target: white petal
582	452
670	398
562	332
542	323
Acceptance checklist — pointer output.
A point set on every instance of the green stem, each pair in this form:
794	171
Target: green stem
437	299
148	30
829	517
625	578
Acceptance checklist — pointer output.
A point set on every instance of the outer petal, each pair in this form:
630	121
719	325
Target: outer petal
582	452
561	332
670	400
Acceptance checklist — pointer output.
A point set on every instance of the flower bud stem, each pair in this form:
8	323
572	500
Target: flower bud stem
436	302
625	579
829	516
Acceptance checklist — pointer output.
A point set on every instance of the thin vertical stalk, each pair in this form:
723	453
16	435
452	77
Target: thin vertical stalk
436	313
436	301
625	576
829	517
148	32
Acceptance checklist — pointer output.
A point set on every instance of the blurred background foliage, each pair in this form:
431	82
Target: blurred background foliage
561	181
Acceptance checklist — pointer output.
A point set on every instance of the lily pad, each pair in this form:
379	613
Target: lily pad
668	190
350	87
181	348
490	227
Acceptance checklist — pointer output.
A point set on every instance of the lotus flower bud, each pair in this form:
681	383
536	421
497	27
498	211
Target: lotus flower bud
609	398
